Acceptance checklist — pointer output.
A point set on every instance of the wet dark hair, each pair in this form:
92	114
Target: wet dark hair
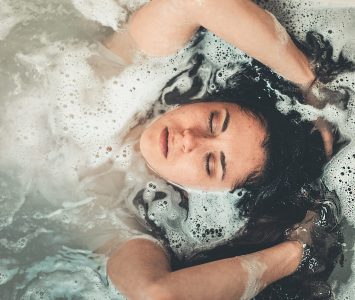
289	184
286	189
295	151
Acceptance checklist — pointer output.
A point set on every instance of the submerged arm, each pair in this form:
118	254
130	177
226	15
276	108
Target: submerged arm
163	26
140	269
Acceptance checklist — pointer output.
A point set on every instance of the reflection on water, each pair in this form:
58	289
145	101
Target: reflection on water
58	115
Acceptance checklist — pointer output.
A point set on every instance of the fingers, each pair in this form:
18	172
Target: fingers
325	130
302	231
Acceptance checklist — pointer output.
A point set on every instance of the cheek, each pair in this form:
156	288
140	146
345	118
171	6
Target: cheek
184	118
147	146
186	173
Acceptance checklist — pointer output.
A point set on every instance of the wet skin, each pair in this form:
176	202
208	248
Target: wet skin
208	146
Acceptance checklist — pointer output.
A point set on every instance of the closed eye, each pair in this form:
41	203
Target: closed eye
207	163
210	121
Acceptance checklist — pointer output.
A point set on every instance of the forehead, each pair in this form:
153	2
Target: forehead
243	144
187	112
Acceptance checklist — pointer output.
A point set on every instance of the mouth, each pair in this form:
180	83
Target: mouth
164	145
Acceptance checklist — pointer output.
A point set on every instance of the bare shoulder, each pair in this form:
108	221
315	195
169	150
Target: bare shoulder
122	44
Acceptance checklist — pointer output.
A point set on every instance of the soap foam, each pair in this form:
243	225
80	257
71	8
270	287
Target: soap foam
211	219
107	12
255	270
8	20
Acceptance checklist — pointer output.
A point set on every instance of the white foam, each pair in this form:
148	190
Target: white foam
132	5
8	20
333	3
212	219
255	270
106	12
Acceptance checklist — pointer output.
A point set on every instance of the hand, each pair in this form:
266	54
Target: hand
320	233
319	95
302	231
321	221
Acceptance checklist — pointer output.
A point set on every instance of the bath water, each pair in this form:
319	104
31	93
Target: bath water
68	176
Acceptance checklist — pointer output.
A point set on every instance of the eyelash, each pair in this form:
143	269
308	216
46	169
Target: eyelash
210	121
209	155
207	163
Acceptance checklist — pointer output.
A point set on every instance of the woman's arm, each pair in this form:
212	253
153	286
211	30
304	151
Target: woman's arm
140	270
163	26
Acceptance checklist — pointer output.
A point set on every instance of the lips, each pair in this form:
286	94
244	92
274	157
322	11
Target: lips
164	145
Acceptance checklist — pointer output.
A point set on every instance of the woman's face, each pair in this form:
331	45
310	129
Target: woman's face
209	146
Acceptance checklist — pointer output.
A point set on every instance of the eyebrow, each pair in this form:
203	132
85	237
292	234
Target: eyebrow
208	157
222	158
226	121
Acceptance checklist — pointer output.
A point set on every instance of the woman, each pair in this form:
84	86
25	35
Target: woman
209	136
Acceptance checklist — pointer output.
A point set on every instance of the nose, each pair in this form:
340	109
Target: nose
189	140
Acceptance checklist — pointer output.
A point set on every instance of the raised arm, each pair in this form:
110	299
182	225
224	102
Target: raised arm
163	26
140	270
